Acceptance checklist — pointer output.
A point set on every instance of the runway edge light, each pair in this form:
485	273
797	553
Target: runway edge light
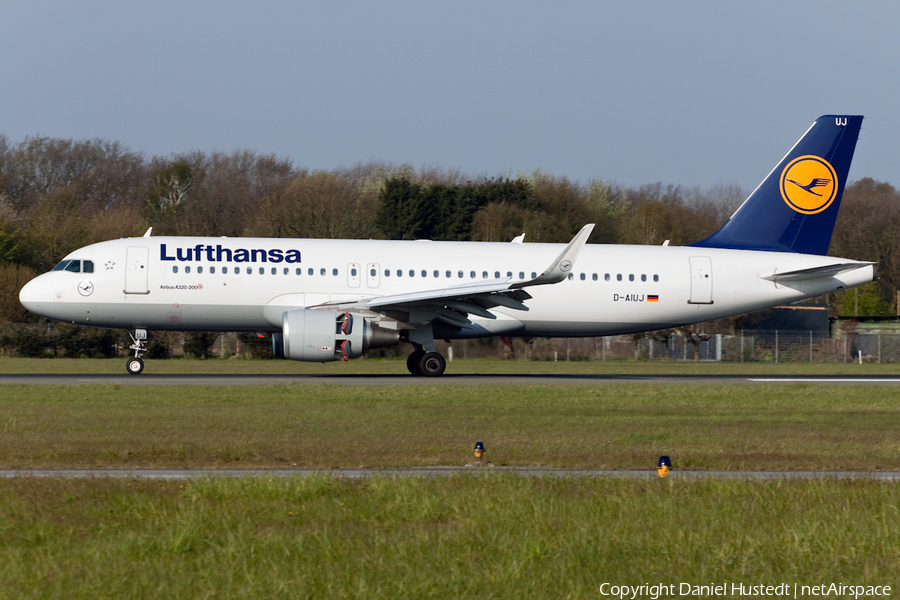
479	451
663	466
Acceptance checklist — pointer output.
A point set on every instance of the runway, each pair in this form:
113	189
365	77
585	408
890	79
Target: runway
268	379
482	471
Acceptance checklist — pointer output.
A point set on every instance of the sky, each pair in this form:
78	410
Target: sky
687	93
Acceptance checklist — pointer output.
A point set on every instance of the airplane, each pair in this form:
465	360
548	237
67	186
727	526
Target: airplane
330	300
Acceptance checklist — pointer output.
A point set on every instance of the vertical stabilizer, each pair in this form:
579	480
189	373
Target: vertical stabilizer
794	209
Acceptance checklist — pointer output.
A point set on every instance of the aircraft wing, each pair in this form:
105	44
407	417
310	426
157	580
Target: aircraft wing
815	272
453	304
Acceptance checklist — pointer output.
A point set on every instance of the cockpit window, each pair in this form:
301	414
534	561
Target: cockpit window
75	266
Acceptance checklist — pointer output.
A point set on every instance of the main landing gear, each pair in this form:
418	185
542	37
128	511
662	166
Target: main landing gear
429	364
135	365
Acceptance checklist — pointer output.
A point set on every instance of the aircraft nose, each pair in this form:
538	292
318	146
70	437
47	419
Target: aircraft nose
31	295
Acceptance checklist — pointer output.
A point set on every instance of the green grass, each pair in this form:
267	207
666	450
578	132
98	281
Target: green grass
477	535
116	366
713	426
460	537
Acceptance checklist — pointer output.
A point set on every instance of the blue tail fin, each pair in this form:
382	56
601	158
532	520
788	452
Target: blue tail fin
795	207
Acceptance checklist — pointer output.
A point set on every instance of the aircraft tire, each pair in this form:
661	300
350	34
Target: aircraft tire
412	361
134	366
432	364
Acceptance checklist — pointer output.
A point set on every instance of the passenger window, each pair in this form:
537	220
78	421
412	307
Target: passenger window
460	274
187	269
412	273
656	278
484	274
274	271
262	271
399	273
286	270
594	277
448	274
200	270
424	273
583	276
631	277
643	278
334	272
521	275
372	272
496	274
212	270
509	273
322	272
224	270
618	277
471	274
299	271
533	275
74	266
570	277
310	271
174	268
437	273
87	266
249	271
387	272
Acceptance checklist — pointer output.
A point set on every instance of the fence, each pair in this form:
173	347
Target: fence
745	346
60	340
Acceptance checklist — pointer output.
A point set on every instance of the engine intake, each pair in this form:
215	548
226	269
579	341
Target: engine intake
327	335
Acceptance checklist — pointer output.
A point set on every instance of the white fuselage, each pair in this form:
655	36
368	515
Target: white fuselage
246	284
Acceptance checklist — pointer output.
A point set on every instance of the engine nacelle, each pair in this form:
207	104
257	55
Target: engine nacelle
326	335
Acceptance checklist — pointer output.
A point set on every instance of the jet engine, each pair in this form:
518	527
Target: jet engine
326	335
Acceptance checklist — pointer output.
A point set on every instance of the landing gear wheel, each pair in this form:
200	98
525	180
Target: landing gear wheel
412	361
134	366
432	364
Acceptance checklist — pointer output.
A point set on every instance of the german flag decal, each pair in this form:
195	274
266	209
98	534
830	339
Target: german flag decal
652	298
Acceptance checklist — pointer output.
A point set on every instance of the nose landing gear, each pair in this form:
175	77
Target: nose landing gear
135	365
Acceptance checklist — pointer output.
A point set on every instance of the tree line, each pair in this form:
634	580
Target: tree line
57	195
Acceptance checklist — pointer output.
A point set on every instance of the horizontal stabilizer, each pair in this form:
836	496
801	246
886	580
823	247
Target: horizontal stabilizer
815	272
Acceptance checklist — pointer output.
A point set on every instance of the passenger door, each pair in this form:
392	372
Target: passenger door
701	280
136	270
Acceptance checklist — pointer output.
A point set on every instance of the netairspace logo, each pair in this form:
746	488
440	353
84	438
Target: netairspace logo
737	590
